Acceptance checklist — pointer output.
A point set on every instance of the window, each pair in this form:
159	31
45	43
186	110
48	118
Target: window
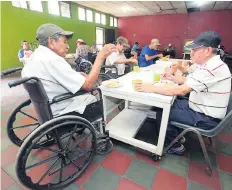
103	19
97	18
20	4
81	13
111	21
65	9
115	22
53	7
36	6
89	15
100	37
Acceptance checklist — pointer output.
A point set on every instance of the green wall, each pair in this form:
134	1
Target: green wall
21	24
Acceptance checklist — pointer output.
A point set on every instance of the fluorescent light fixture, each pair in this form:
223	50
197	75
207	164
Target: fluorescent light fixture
199	2
126	9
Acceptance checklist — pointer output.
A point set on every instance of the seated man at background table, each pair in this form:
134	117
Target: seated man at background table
209	86
48	64
82	49
149	53
94	48
118	58
134	49
24	52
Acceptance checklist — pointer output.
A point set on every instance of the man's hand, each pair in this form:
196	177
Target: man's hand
135	61
106	51
84	74
144	87
160	55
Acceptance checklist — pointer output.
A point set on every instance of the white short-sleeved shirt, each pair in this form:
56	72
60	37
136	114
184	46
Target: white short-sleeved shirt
112	58
57	77
211	85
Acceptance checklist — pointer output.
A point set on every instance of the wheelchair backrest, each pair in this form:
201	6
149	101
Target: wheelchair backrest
39	100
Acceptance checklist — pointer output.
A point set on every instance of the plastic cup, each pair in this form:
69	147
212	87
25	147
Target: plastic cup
157	77
136	68
136	81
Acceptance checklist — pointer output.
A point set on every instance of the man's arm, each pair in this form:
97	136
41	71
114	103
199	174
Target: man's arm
147	57
92	77
169	90
121	61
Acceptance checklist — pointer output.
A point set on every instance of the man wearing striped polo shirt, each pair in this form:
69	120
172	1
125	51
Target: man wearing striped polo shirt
209	86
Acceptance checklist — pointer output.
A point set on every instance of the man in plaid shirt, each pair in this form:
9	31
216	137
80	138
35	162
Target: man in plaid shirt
82	49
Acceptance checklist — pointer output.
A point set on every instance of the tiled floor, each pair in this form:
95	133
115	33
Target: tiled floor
127	168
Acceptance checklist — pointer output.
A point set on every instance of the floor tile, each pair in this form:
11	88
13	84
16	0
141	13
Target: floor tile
6	180
198	156
15	186
99	158
72	186
117	162
176	164
146	157
197	173
102	179
196	186
88	172
125	148
166	180
224	162
126	184
5	143
9	155
226	180
141	173
224	148
226	137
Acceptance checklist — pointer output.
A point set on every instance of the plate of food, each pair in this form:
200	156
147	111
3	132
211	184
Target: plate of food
113	83
69	56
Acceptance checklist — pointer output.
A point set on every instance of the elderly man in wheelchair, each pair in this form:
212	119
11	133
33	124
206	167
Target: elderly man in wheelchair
71	122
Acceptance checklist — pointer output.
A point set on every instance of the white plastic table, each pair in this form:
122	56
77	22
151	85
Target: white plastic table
127	123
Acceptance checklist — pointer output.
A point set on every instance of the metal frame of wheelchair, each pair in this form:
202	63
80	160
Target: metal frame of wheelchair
60	132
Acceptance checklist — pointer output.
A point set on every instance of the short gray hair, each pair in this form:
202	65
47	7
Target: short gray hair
45	42
214	50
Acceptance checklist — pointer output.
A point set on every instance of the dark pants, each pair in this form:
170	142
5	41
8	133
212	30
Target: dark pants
92	112
180	112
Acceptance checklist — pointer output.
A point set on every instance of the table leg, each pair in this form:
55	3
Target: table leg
163	129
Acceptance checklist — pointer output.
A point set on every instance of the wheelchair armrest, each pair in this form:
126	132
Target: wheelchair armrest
67	95
109	67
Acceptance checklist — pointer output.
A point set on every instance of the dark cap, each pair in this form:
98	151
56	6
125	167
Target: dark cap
207	39
47	30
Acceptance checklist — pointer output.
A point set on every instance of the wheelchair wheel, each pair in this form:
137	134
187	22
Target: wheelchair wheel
85	67
104	146
62	163
17	133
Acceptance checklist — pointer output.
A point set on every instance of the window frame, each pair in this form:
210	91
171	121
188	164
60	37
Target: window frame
86	15
70	10
29	8
58	8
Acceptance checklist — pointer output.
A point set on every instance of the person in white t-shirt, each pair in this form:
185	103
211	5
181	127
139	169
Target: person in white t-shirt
118	58
48	64
209	86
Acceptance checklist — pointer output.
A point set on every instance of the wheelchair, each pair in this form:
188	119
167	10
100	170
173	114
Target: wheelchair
70	139
17	133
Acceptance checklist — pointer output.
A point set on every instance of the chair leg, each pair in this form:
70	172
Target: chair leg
207	160
210	141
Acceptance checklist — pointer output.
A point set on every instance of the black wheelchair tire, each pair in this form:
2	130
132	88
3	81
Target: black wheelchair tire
11	134
32	139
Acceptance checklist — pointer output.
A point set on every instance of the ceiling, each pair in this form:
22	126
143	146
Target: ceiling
137	8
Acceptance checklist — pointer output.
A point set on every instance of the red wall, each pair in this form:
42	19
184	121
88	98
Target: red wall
175	28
